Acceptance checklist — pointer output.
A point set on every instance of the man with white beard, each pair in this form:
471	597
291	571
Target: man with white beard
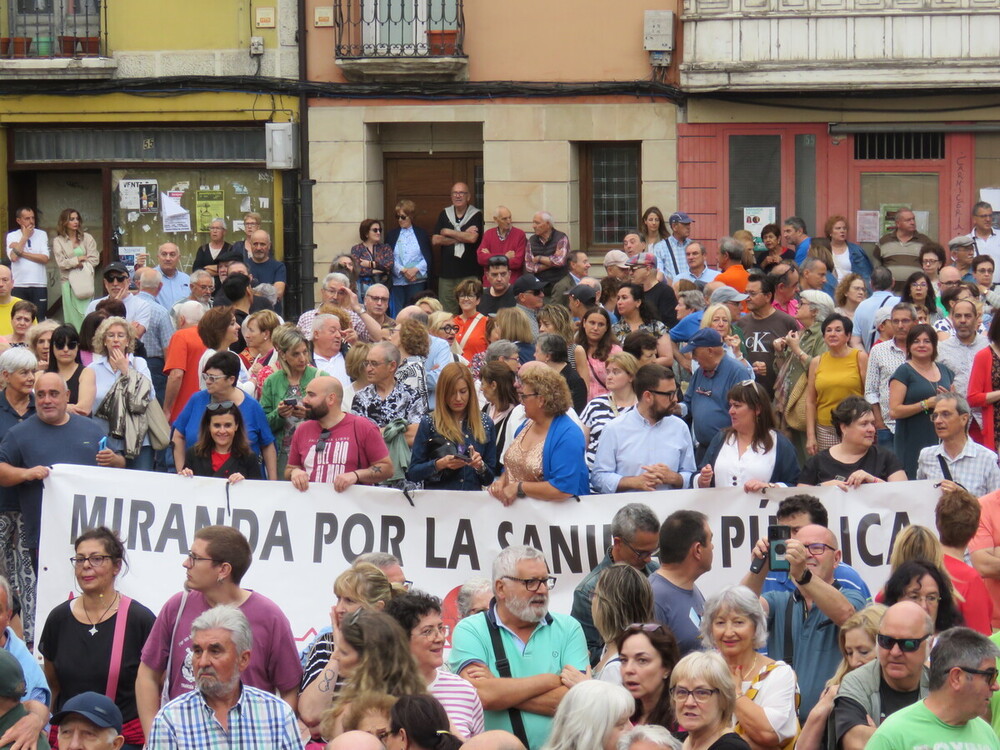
222	707
536	678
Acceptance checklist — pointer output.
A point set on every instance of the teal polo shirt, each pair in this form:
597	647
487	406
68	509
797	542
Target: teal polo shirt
557	641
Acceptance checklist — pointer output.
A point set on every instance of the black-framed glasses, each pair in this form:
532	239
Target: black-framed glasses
668	394
96	561
700	695
116	277
449	329
533	584
527	395
817	548
324	435
194	559
906	645
990	674
217	405
66	345
642	554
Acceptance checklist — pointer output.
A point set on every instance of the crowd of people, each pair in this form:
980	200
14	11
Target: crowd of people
808	362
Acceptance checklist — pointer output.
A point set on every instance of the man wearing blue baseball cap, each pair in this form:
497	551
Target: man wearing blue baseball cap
89	721
707	396
680	237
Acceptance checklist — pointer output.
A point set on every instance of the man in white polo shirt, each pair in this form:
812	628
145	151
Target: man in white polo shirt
28	250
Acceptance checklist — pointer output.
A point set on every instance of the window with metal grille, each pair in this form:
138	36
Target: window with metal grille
609	187
899	145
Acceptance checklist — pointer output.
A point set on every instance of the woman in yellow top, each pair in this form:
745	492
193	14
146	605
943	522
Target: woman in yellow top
74	248
833	376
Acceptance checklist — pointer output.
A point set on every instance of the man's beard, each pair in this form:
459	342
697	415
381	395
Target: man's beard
524	610
210	685
317	412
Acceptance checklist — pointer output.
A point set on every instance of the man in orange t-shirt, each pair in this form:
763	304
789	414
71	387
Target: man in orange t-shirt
731	264
183	354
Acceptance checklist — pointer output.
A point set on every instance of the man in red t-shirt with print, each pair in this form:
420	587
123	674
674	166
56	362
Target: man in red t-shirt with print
334	446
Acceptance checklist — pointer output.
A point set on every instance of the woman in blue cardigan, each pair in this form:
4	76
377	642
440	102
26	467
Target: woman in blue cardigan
836	230
751	453
546	458
411	249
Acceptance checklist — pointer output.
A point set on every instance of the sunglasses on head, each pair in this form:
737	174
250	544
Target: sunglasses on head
217	405
906	645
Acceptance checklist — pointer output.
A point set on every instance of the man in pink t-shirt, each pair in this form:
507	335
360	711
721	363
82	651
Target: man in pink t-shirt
333	446
985	549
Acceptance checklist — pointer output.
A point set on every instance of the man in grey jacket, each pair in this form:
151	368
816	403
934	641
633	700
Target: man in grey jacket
896	679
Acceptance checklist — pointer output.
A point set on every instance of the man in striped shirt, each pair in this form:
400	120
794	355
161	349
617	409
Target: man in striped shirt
222	712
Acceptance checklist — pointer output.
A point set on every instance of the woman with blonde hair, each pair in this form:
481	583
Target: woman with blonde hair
260	357
39	340
75	249
622	596
354	363
850	292
848	257
556	319
455	447
703	693
591	716
410	337
373	653
362	586
513	325
720	318
283	391
857	645
442	325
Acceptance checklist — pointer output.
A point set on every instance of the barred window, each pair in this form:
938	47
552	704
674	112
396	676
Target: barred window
609	192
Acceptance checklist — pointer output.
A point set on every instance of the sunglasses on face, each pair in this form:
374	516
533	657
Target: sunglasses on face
906	645
116	277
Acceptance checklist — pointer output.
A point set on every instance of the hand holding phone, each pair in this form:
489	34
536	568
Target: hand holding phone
777	540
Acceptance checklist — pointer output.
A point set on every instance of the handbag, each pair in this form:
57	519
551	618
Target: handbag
81	281
158	429
795	407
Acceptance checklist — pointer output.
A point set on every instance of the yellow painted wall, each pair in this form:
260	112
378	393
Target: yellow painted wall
185	25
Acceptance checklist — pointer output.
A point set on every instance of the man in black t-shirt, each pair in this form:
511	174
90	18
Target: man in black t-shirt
761	327
894	680
659	294
457	235
499	294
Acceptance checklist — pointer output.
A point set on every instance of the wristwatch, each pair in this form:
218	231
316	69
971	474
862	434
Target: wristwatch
520	489
806	577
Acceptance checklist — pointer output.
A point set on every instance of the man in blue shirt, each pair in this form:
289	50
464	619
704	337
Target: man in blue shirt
539	646
265	269
795	237
176	283
802	625
646	448
707	396
864	315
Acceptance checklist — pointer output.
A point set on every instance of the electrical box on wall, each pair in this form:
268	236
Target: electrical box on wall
658	31
281	145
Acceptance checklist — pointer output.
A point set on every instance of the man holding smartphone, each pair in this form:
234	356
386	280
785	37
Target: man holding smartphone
802	625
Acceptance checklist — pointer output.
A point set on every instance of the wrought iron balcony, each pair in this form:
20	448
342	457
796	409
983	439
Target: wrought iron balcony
52	28
398	28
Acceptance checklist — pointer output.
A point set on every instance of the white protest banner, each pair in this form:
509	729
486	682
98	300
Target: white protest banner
302	541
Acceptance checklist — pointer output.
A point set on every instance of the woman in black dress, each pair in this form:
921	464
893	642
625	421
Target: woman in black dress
79	638
222	449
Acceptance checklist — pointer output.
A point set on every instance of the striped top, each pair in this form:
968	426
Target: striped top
460	701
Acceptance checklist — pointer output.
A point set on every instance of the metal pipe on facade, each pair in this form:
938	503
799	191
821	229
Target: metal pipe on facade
306	246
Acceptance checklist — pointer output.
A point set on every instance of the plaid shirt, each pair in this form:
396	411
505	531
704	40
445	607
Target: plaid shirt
975	467
258	720
883	360
157	336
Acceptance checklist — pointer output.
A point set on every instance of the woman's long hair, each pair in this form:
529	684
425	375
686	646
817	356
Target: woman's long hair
665	644
912	571
907	295
639	295
63	335
754	396
602	350
452	374
205	444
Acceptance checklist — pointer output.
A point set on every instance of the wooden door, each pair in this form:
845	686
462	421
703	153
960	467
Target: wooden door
426	179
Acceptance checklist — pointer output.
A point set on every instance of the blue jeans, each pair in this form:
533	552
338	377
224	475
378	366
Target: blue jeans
884	438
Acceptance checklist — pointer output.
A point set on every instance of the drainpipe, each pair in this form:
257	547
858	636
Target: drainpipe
306	245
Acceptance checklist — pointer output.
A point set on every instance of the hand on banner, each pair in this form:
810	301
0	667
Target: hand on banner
300	479
705	476
342	481
236	477
756	485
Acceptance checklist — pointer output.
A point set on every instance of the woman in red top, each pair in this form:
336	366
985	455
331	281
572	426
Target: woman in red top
984	388
471	335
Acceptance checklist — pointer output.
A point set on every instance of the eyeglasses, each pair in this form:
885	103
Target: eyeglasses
533	584
432	630
906	645
929	598
466	296
194	559
817	548
536	292
449	329
642	554
990	674
983	216
116	277
527	395
96	561
373	298
700	695
667	394
213	378
374	229
374	363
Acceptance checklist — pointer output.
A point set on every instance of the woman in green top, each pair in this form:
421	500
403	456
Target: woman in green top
281	398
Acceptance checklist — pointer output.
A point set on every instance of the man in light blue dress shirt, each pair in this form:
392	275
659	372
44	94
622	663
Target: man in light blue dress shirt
646	448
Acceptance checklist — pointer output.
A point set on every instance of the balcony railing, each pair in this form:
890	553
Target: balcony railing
53	28
399	28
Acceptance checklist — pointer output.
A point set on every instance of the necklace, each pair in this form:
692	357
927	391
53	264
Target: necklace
93	625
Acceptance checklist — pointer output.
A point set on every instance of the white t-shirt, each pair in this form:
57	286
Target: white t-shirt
733	470
776	695
27	272
842	264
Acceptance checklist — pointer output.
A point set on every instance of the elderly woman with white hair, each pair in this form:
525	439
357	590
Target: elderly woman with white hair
648	737
591	716
704	696
766	706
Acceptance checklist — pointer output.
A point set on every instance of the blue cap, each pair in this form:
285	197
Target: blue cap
98	709
703	337
679	217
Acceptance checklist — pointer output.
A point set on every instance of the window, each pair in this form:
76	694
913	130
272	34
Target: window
899	146
754	175
609	192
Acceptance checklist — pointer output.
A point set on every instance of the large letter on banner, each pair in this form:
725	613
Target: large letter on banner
302	541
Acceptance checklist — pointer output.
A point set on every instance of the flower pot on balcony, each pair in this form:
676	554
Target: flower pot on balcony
90	45
442	42
20	46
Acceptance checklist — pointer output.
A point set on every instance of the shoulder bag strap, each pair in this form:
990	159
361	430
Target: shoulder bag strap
469	331
871	342
170	648
789	653
117	645
594	372
503	670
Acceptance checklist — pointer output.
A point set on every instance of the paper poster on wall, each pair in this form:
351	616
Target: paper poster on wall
142	195
176	218
211	205
866	223
756	218
127	255
887	214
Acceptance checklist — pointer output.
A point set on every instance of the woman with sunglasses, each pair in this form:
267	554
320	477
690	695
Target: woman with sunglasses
65	360
704	696
222	449
766	707
372	257
751	453
648	655
442	324
411	252
81	635
221	372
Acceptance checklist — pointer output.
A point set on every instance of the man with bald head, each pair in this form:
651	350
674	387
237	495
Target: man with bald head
263	268
457	235
503	241
355	740
817	607
332	445
895	679
495	739
176	283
